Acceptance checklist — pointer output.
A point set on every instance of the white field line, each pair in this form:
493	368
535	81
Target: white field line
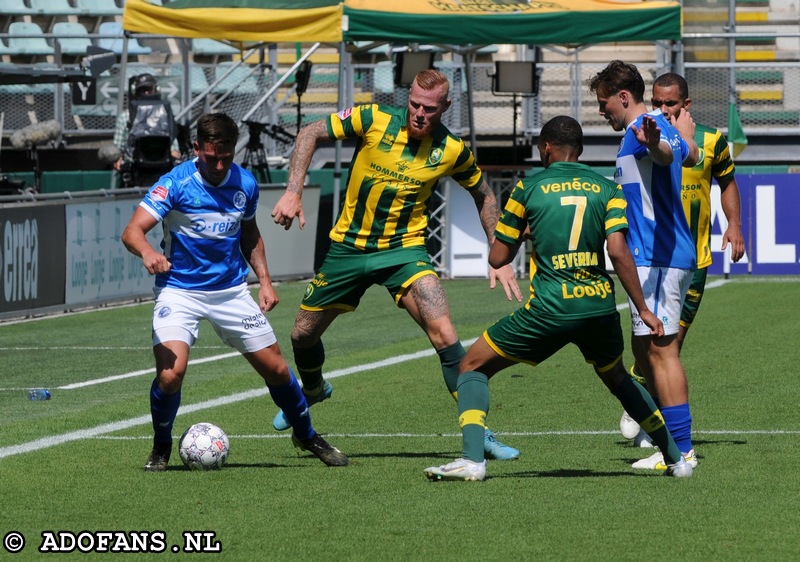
455	435
54	440
81	434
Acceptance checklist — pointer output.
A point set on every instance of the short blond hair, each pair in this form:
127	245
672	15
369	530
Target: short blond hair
431	79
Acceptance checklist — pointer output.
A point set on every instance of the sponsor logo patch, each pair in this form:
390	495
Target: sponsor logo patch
345	113
159	193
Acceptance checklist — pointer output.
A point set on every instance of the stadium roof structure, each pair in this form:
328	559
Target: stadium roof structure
456	22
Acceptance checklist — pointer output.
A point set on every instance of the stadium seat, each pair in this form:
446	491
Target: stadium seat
112	36
53	8
25	38
15	8
384	77
134	69
212	47
4	50
243	80
72	37
197	78
99	8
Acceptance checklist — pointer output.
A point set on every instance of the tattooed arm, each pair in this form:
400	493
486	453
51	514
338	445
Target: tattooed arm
489	214
289	206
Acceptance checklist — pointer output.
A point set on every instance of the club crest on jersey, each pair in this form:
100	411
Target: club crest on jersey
239	199
435	156
164	312
701	156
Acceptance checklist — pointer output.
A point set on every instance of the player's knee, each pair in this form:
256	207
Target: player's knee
170	380
302	339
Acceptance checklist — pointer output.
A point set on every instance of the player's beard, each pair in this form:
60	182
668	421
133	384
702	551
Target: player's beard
417	132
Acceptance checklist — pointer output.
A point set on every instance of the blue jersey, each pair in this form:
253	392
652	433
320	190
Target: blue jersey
658	234
202	226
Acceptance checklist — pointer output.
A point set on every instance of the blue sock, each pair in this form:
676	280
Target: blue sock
163	409
679	422
292	401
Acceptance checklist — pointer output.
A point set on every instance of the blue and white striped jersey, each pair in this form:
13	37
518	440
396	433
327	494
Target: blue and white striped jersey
658	234
202	226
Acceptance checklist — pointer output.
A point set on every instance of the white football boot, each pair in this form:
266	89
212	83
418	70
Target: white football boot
628	426
459	469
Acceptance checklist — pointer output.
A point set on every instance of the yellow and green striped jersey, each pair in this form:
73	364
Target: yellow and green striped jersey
392	176
570	210
715	162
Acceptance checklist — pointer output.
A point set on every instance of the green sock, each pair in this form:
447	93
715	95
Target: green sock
640	406
309	365
473	406
450	358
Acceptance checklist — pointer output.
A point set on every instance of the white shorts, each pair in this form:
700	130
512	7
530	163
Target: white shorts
233	313
664	289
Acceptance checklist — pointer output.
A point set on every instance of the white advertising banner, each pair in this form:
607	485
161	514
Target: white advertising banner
98	265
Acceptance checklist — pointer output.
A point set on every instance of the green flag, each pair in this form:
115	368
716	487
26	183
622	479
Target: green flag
736	136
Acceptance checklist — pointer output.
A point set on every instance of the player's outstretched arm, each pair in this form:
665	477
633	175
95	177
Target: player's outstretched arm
625	268
649	135
289	206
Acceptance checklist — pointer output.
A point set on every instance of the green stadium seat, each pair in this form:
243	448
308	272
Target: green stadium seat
73	38
197	78
15	8
53	8
4	50
243	80
27	38
98	8
212	47
112	36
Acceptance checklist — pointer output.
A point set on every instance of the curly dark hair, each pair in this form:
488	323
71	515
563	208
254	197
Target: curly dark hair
618	76
563	130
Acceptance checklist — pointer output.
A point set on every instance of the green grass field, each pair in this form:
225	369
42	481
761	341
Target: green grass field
74	463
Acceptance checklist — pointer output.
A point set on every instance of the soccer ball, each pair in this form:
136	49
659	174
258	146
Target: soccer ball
204	446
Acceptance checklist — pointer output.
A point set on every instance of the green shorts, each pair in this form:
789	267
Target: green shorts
693	297
347	273
530	337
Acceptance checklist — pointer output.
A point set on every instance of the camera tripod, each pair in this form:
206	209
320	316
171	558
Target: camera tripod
255	157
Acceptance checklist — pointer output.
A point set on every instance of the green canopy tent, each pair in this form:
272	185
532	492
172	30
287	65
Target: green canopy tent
485	22
450	23
457	22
